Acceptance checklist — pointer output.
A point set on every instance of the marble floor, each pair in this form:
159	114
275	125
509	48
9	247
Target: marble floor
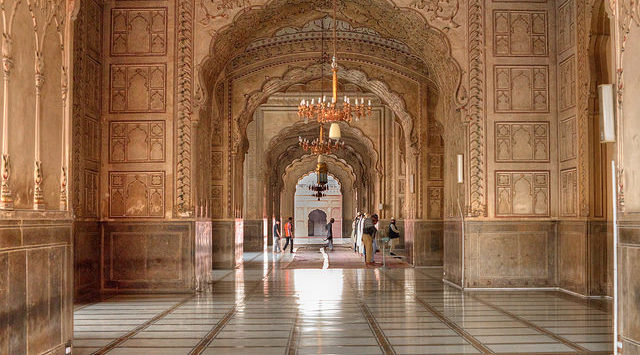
265	308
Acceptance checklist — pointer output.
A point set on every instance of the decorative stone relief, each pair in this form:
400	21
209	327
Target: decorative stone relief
217	201
522	141
568	139
435	202
90	194
567	83
91	140
136	141
217	172
566	26
476	109
94	32
140	31
569	192
138	88
521	89
444	11
184	106
136	194
520	33
92	88
522	193
435	167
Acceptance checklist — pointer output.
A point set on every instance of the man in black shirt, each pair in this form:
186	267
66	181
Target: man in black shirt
329	228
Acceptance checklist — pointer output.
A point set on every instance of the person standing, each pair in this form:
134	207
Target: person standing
354	232
368	233
276	237
329	229
393	234
288	234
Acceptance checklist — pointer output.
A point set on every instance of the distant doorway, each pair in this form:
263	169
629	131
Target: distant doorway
312	214
316	222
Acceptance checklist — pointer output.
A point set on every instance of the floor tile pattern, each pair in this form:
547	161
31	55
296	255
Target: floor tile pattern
265	308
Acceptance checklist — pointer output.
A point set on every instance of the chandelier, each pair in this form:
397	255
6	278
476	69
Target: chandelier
320	145
331	111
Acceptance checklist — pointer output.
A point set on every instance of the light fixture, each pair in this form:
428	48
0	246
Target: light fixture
334	131
322	171
332	111
320	145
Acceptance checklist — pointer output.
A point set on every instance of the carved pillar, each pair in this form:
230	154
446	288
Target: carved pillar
6	197
65	123
38	198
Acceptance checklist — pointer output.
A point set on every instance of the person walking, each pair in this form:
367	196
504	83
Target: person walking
329	229
393	234
368	233
276	237
288	234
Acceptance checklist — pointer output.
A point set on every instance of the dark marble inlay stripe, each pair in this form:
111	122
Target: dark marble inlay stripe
294	337
531	325
453	326
141	327
204	342
384	343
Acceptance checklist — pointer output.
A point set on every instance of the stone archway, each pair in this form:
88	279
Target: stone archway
317	219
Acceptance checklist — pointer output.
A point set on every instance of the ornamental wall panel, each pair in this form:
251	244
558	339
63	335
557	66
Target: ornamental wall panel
138	88
138	31
435	166
136	194
520	33
92	87
521	88
522	142
436	202
522	193
566	26
568	139
569	192
136	141
567	83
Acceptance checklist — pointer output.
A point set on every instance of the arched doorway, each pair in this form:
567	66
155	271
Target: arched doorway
312	214
316	221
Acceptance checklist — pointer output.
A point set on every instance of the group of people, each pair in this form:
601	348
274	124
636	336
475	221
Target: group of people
289	236
365	236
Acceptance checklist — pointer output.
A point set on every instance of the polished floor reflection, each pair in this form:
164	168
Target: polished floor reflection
266	308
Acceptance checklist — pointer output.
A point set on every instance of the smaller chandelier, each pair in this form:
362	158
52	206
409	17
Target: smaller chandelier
320	145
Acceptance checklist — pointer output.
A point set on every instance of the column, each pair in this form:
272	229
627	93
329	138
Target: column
38	198
6	197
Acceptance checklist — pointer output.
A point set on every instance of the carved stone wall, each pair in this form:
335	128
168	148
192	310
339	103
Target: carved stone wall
86	132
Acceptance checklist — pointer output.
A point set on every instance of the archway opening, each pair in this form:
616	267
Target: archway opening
312	213
316	221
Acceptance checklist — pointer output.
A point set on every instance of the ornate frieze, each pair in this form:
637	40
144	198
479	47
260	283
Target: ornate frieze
522	194
136	194
520	33
138	88
138	31
522	142
521	88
